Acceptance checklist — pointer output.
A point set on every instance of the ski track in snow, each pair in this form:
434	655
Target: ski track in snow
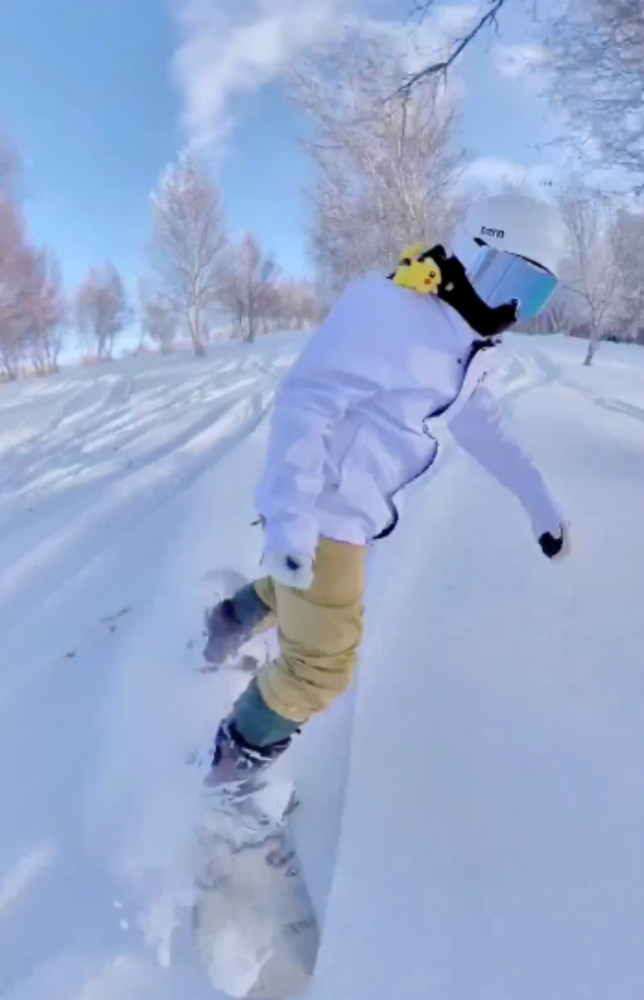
489	749
99	471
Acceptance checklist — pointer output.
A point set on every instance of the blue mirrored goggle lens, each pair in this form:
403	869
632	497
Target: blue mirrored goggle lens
499	277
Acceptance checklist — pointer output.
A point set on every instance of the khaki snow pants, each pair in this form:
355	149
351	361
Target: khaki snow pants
319	632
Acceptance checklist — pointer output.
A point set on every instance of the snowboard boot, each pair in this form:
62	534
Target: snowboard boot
235	761
232	622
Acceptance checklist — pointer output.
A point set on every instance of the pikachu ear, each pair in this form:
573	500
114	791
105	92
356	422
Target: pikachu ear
411	253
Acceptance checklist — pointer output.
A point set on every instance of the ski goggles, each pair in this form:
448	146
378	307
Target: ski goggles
499	276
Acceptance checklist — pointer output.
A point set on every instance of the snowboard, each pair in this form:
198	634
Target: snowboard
254	925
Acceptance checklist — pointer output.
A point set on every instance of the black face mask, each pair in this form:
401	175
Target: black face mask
456	289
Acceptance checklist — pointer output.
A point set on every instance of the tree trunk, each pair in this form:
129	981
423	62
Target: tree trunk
194	325
593	344
198	344
252	328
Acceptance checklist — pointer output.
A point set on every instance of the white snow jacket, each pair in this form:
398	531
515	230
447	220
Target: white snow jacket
355	420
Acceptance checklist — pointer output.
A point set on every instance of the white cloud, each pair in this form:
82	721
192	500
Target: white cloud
493	173
228	48
516	61
17	880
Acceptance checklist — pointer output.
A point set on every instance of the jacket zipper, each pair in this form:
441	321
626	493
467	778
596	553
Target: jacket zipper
477	346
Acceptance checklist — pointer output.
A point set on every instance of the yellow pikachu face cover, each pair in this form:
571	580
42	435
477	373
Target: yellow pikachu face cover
418	271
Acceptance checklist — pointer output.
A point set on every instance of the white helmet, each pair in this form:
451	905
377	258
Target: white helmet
511	247
521	225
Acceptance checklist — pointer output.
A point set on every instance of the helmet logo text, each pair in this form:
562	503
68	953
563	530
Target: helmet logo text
499	233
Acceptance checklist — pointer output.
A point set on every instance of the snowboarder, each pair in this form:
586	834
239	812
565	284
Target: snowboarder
353	425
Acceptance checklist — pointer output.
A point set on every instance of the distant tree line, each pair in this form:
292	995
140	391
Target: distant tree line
202	283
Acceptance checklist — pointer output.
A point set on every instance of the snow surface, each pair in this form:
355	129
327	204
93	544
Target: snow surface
472	823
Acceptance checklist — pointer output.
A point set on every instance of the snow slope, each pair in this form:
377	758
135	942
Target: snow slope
473	816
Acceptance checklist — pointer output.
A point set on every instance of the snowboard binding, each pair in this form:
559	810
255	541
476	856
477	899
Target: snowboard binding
236	762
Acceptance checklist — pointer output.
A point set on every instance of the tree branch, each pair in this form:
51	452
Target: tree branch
420	10
442	67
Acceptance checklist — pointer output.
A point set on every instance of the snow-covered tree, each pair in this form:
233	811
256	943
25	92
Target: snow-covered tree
294	305
386	167
561	315
596	50
157	318
188	245
13	258
32	307
246	286
627	240
102	310
590	272
9	168
46	313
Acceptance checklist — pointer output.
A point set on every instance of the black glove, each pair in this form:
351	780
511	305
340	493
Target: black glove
555	546
289	568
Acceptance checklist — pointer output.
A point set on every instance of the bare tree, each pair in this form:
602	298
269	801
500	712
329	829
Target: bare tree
188	243
32	306
590	271
102	311
246	286
386	169
46	312
157	318
13	258
597	61
32	309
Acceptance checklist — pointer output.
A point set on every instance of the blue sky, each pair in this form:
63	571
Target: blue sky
99	95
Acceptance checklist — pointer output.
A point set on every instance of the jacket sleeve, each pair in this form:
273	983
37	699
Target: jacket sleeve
478	428
308	407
